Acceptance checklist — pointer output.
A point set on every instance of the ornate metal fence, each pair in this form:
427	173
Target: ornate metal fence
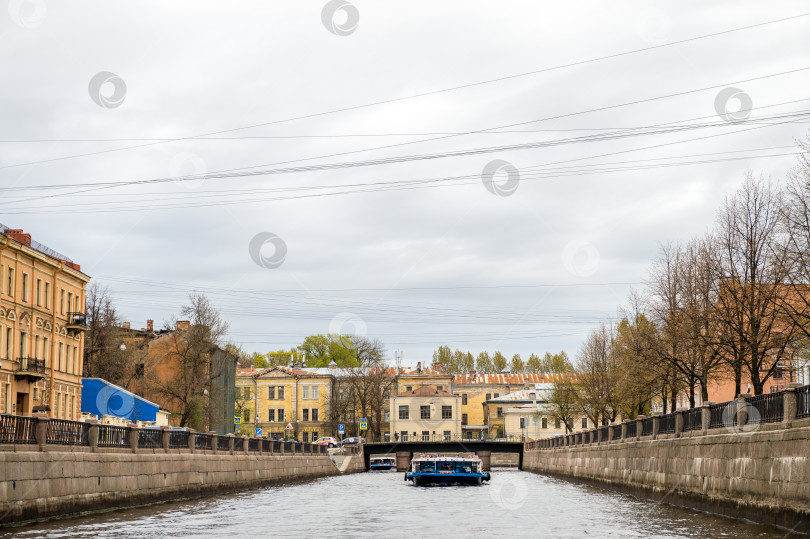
65	432
666	424
113	436
17	429
767	408
178	439
203	441
223	443
803	402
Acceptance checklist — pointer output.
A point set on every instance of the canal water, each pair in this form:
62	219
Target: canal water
382	505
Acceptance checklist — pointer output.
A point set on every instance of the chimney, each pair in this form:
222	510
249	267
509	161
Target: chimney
125	325
19	235
183	325
418	367
150	325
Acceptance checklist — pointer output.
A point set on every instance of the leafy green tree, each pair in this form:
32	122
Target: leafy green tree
534	364
556	363
444	358
320	350
499	362
483	363
517	366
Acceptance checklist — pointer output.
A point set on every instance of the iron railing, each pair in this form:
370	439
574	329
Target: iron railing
253	444
150	439
692	419
647	426
66	432
17	429
223	443
617	431
76	319
769	408
666	424
277	445
803	402
267	445
113	436
178	439
719	415
288	446
604	433
31	365
203	441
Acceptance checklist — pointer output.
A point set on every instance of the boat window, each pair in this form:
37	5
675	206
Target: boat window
447	466
427	467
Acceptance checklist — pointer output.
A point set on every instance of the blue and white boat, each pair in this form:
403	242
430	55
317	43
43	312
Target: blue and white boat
382	463
438	470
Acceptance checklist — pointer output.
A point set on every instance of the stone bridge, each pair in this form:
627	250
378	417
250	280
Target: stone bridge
405	450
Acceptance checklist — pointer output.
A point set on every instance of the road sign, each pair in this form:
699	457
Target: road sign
237	420
259	432
341	428
364	424
289	426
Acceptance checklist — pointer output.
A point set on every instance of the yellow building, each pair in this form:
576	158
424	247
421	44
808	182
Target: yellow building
285	402
425	413
42	322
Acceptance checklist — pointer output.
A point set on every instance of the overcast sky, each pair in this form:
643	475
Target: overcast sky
418	252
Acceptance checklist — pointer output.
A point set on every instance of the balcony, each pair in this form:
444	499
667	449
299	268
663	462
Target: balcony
76	323
30	368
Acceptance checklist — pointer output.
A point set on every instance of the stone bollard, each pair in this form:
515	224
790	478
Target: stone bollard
165	437
656	424
261	446
624	429
92	434
244	447
231	443
192	440
678	423
134	437
742	409
610	433
214	441
639	428
789	403
41	432
705	417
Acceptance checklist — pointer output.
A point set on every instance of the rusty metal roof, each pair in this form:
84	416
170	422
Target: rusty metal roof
426	391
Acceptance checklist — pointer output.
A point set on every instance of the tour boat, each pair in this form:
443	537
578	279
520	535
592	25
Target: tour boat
438	470
383	463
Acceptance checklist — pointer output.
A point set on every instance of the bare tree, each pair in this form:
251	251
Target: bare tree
751	283
369	381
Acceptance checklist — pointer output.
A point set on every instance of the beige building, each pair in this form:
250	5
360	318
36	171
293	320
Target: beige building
526	415
425	413
42	322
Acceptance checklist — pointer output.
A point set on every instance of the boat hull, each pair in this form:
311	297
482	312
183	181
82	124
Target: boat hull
428	478
383	467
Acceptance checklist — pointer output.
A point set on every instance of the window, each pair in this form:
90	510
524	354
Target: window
23	341
404	435
271	415
314	435
305	390
36	394
500	411
36	346
281	414
463	419
488	396
271	393
403	412
11	282
543	423
62	301
522	423
246	415
314	414
305	414
438	388
9	342
45	350
281	394
25	287
424	412
463	399
47	295
584	422
139	370
315	392
408	388
61	355
447	412
70	300
495	395
557	424
39	292
246	393
305	438
425	435
447	435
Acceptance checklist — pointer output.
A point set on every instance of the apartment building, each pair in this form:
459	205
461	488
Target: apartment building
42	322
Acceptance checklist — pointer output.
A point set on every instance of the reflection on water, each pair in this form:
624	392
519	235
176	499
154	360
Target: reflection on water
382	504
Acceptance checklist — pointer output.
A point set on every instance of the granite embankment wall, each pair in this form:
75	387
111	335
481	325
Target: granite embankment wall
40	480
760	472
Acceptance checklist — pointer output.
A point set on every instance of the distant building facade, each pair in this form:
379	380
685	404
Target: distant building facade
425	413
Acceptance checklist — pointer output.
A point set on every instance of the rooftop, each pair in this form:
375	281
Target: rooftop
426	391
20	236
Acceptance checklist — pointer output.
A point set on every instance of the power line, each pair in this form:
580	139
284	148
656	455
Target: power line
424	94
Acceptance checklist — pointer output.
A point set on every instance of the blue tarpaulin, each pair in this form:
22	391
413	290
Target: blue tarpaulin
100	397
